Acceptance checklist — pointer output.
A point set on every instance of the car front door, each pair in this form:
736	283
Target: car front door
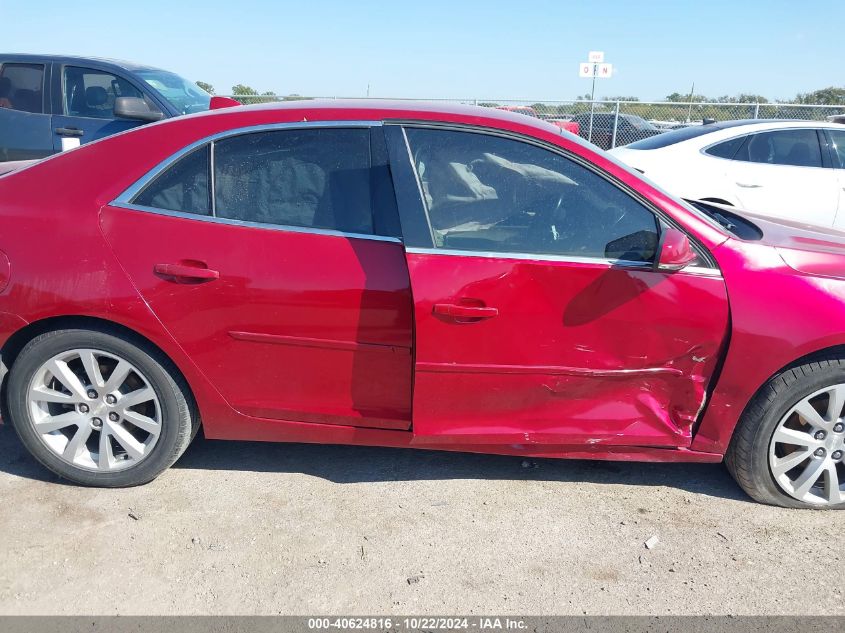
781	173
539	316
284	281
24	122
85	107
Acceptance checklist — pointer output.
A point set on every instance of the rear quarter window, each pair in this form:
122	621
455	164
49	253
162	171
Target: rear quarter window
726	149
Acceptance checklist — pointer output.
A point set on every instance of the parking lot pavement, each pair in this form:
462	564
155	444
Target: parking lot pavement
270	528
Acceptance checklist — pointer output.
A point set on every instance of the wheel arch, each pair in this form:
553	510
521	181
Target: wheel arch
19	339
721	439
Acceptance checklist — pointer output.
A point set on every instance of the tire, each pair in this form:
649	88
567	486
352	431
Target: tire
754	445
166	425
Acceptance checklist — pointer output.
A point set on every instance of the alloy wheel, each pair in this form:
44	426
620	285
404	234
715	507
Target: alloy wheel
807	449
94	410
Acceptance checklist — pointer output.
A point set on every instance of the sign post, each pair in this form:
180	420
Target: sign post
594	67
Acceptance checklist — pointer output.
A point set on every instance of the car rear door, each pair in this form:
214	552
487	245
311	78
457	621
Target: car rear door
286	281
84	104
539	316
25	132
781	173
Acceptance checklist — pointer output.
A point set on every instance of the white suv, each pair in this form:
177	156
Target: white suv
786	169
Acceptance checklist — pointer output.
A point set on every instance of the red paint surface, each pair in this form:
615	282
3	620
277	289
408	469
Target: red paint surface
297	325
578	353
312	338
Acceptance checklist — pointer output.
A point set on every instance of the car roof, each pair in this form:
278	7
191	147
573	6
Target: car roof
706	134
348	109
76	59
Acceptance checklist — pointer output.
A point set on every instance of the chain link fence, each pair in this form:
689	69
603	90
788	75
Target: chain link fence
614	123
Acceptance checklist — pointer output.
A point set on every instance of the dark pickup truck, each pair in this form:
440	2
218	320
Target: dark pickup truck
49	103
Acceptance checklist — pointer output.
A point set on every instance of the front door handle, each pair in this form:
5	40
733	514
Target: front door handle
186	272
68	131
458	311
746	185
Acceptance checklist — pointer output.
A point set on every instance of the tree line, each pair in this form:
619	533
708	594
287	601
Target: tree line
825	96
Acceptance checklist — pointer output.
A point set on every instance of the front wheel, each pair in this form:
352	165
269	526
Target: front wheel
99	408
789	446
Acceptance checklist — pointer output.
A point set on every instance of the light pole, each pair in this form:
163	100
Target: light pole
592	102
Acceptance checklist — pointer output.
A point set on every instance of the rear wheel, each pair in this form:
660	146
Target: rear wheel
789	447
99	409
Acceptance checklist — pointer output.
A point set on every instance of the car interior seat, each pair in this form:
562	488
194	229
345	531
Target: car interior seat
95	98
27	100
799	155
759	149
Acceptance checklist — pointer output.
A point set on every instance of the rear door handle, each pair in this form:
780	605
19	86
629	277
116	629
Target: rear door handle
457	311
68	131
746	185
186	272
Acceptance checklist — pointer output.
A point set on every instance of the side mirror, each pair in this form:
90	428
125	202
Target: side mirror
222	102
135	108
675	251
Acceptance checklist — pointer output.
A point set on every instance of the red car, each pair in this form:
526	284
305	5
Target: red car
395	274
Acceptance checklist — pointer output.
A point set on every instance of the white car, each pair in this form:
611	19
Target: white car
786	169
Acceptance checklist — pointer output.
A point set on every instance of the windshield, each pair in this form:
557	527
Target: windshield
184	95
640	123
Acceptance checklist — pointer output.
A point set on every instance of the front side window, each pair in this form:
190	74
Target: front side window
91	93
22	87
313	178
799	148
493	194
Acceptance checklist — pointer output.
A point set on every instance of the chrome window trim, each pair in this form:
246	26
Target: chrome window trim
569	259
134	189
257	225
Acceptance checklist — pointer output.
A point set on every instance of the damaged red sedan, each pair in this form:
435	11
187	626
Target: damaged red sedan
397	274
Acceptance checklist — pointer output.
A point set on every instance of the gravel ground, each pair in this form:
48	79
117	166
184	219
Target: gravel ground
243	528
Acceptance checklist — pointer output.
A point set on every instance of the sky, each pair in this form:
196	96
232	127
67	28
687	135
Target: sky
453	49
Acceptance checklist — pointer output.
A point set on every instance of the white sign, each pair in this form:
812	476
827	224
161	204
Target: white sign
604	71
596	57
585	70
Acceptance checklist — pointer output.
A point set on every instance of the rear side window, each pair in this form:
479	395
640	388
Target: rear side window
317	178
91	93
182	187
799	148
313	178
22	87
727	149
492	194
